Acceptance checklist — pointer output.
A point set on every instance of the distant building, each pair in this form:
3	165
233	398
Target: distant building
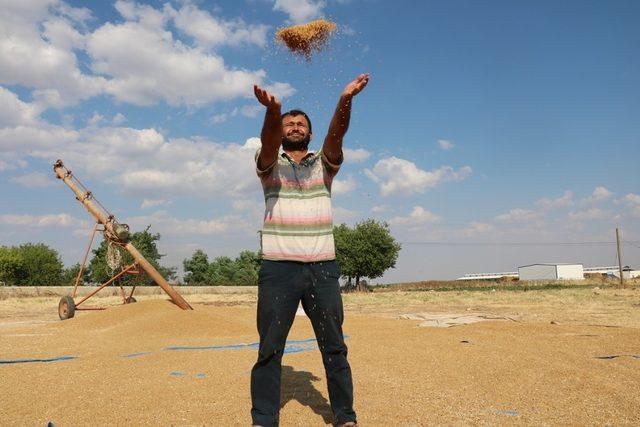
551	272
602	270
627	272
554	272
488	276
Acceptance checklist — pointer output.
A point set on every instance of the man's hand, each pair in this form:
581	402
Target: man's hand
339	125
356	86
271	136
265	98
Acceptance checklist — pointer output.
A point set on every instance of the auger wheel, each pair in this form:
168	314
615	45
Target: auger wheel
66	308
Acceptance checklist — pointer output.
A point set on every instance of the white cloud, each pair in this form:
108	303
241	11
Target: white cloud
341	214
632	199
600	194
145	14
22	131
279	89
300	10
209	31
139	61
36	51
14	112
252	208
9	161
249	110
565	200
340	186
399	176
219	118
518	215
150	203
244	205
166	224
356	155
40	221
118	119
34	180
418	216
445	145
380	209
474	228
253	143
61	33
95	120
139	161
589	214
150	164
148	65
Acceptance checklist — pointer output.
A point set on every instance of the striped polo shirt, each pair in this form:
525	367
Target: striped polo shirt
298	225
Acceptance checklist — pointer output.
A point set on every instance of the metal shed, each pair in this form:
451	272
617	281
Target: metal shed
551	272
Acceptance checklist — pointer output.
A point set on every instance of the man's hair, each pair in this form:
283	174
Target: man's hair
298	113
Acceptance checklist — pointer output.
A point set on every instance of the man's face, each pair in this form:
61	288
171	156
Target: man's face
295	133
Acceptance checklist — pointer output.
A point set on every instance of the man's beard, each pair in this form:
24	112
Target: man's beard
290	145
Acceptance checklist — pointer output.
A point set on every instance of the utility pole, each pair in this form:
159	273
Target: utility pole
619	256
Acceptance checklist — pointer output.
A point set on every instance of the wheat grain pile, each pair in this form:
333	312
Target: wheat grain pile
305	39
151	363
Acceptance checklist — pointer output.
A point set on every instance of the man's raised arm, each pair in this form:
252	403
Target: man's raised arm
332	147
271	135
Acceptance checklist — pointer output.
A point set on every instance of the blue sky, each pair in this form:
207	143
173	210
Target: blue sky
485	124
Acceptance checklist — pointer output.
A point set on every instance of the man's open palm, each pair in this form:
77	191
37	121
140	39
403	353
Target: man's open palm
265	98
356	86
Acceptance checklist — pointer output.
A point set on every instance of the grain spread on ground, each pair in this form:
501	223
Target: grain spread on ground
305	39
169	366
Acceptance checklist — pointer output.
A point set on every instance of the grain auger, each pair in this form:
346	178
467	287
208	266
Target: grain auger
117	237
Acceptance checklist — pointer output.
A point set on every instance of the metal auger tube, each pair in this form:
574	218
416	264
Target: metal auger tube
86	198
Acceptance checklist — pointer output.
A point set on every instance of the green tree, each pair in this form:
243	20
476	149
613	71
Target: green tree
222	271
367	250
343	238
12	268
247	267
145	242
42	265
70	274
196	268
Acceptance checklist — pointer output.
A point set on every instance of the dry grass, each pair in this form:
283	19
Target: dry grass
508	283
606	306
574	305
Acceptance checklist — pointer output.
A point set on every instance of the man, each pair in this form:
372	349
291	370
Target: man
299	253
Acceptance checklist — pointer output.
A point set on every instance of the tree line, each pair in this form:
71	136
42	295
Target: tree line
366	250
36	264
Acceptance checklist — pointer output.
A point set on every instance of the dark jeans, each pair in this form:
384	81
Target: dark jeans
281	286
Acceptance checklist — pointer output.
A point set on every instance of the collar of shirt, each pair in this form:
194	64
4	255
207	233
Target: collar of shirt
305	160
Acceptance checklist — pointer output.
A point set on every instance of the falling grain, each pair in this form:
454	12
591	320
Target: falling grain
305	39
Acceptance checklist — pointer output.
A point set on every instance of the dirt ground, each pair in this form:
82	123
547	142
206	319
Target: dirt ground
562	357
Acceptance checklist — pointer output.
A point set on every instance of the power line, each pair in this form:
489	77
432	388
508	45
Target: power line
630	243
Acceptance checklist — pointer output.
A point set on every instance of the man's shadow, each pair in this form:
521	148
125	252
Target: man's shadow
297	385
